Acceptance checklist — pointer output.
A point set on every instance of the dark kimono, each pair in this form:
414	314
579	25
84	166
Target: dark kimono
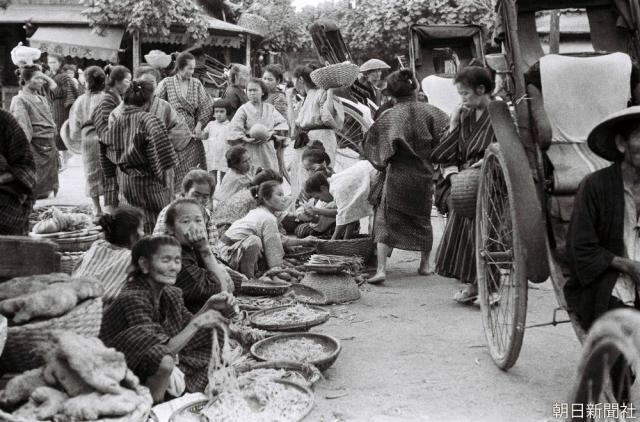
595	237
135	155
463	147
16	198
141	329
196	107
62	98
196	282
235	97
400	144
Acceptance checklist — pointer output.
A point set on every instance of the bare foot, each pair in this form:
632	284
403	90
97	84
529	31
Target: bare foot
378	278
425	269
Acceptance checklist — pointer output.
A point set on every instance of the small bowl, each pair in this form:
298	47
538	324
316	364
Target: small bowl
330	344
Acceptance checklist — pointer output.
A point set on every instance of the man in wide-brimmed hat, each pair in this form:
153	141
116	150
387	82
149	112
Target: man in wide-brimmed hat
371	77
603	242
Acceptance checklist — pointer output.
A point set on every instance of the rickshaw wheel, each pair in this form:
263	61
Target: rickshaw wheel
354	128
500	262
613	338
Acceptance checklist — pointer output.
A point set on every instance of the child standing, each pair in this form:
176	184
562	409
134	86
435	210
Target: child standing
216	146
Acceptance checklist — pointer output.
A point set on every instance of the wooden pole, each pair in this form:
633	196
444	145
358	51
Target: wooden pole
248	52
554	32
136	51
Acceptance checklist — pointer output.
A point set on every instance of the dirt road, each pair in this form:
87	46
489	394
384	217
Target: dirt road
412	354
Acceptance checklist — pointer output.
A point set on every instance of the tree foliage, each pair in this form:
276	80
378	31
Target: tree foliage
287	32
149	17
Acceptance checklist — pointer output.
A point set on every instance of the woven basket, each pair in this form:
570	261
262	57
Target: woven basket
69	261
335	75
77	244
254	23
22	341
322	316
330	344
362	246
338	288
302	253
308	371
464	191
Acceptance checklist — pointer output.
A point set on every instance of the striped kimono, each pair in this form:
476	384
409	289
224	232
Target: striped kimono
101	113
137	326
33	112
196	107
82	128
136	155
109	264
461	148
62	98
16	197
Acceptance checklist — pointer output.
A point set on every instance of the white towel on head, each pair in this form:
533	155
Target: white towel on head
579	92
441	92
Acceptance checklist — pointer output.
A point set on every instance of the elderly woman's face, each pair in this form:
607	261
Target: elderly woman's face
631	148
188	218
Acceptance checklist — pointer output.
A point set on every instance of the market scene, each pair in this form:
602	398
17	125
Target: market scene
319	210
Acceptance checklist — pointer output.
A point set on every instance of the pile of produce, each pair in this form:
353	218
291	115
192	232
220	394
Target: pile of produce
25	299
262	303
81	380
348	264
256	375
286	275
54	220
298	314
295	349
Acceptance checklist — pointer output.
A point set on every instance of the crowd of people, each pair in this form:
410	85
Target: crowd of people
195	194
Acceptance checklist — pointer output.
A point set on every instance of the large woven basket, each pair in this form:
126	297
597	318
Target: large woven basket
464	191
77	244
69	261
338	288
23	341
361	246
254	23
335	75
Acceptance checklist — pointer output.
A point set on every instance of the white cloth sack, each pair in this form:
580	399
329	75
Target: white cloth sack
441	92
579	92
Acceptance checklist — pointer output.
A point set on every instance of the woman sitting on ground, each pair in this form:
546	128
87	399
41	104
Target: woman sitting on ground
201	275
349	190
239	205
108	260
257	234
165	345
239	175
200	186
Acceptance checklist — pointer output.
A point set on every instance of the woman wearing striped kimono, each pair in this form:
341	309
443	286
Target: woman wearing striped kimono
62	96
83	132
118	81
470	133
188	97
137	157
108	260
33	113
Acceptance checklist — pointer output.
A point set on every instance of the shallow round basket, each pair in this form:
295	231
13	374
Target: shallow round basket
24	340
338	288
77	244
362	246
322	316
335	75
69	260
310	373
308	295
254	23
193	410
330	344
464	191
159	61
264	288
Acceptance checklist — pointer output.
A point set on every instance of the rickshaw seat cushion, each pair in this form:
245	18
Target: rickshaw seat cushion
573	110
571	163
441	92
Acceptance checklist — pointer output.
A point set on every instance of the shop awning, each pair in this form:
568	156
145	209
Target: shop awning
79	42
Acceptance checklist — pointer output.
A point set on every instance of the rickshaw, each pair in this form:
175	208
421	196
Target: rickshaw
518	237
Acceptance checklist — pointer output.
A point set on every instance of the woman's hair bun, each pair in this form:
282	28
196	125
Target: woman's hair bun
107	69
106	222
405	75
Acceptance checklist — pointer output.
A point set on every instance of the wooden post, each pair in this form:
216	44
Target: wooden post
554	32
136	51
248	52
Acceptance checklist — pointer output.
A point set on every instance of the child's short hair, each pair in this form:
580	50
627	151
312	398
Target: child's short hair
146	248
222	103
315	182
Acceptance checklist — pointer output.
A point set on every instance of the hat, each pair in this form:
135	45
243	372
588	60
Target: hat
400	83
374	64
602	138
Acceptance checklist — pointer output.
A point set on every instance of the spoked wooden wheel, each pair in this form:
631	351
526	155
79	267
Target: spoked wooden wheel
608	368
355	126
500	263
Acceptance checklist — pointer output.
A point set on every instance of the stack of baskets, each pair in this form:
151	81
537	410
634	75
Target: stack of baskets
335	75
254	23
